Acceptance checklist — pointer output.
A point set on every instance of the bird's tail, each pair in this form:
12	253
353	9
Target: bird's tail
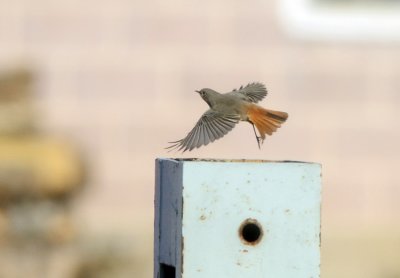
266	121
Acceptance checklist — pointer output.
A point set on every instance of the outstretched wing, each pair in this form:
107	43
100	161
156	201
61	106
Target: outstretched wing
252	92
211	126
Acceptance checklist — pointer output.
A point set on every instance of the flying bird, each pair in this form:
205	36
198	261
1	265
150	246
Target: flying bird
226	110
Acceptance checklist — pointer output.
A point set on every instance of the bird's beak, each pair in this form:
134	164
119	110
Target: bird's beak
197	91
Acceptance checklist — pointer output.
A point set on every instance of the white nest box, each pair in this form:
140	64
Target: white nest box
237	219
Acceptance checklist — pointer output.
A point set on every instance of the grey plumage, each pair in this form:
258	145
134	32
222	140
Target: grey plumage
252	92
211	126
223	115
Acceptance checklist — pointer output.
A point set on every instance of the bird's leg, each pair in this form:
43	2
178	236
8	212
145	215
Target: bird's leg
257	137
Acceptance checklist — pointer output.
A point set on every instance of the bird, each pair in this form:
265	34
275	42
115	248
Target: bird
226	110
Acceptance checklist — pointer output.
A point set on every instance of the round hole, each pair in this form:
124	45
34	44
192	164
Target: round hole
250	232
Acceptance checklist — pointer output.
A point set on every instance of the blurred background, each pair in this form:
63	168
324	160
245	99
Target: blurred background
92	91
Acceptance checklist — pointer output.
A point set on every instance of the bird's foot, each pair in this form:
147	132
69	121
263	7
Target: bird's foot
259	141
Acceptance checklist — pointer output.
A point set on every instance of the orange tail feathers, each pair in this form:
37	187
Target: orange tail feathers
266	121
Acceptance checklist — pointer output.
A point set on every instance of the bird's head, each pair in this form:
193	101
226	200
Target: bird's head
207	95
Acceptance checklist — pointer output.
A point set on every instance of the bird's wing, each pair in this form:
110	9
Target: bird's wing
252	92
211	126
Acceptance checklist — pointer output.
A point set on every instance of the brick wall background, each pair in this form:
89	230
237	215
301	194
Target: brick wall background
118	78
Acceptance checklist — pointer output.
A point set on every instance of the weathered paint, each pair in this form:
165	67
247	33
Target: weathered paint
202	205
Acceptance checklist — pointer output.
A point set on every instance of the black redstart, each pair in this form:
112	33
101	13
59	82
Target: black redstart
226	110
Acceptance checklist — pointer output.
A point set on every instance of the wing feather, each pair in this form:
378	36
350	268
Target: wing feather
252	92
210	135
215	129
193	143
200	142
211	126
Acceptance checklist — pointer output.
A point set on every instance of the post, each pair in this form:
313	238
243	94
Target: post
237	218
